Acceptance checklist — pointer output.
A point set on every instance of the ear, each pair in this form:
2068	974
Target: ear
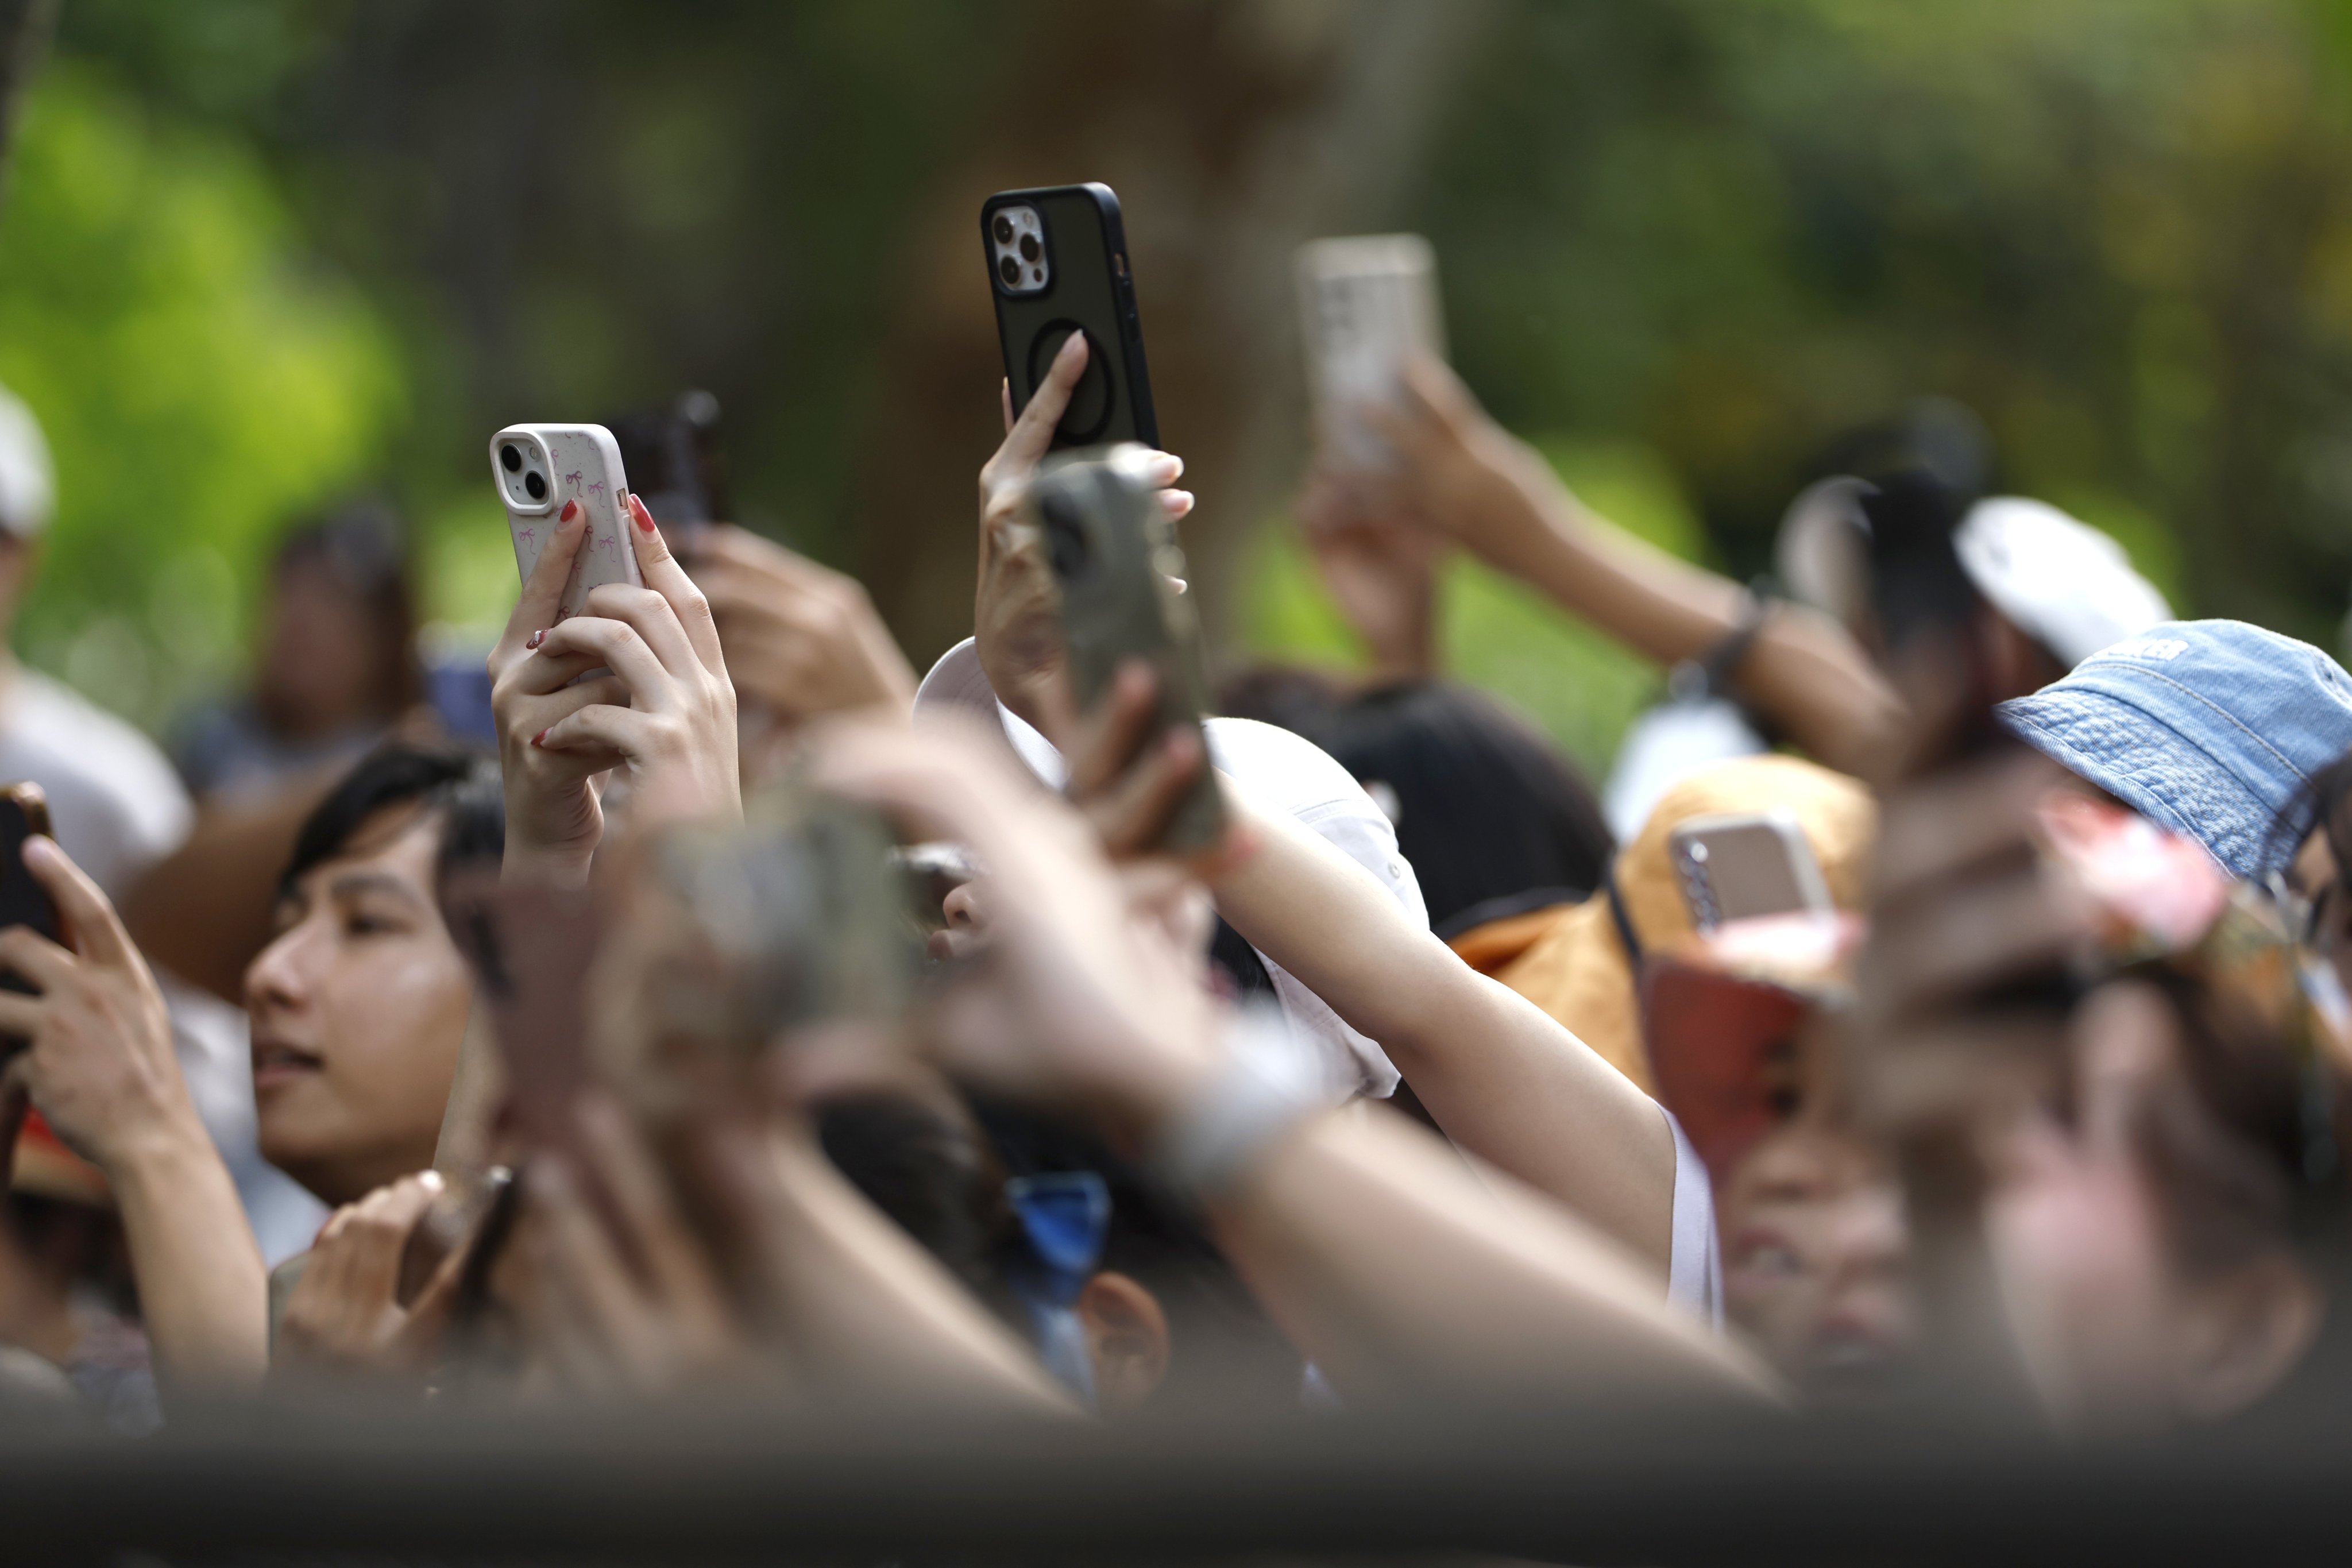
2247	1332
1127	1335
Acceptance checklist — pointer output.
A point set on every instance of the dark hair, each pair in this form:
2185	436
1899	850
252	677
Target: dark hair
459	786
1490	814
1224	1348
361	549
928	1167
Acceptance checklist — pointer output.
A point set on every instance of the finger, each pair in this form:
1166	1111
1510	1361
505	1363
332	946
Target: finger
542	593
379	1234
92	928
1176	503
1106	741
1132	817
656	625
624	731
1031	435
1161	469
1004	396
26	952
612	643
664	576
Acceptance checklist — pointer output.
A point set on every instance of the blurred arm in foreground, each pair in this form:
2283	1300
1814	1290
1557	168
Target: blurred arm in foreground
1396	1268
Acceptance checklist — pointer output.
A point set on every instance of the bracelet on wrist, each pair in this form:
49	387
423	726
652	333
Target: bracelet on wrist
1267	1087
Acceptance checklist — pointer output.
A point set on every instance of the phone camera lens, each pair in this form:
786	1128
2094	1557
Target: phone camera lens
1010	270
1029	248
510	457
1003	229
534	487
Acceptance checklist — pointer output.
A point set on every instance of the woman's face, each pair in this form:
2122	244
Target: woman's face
359	1006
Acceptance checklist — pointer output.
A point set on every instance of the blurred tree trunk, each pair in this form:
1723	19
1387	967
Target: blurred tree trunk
25	29
1231	132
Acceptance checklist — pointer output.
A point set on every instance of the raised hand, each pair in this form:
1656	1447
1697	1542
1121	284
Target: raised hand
800	637
1378	562
667	709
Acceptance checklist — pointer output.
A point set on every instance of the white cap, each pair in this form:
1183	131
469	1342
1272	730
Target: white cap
2060	581
1280	772
28	485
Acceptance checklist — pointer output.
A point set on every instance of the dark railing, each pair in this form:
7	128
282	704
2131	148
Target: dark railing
1590	1488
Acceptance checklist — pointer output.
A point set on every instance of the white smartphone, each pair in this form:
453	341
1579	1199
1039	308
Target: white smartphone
538	469
1742	865
1367	304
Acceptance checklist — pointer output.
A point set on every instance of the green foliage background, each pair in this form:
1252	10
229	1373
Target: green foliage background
1684	243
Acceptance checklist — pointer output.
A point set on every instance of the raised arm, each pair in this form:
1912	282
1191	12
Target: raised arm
1463	474
1504	1080
1391	1263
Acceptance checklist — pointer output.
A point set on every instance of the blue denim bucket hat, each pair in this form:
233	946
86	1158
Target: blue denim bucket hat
2211	729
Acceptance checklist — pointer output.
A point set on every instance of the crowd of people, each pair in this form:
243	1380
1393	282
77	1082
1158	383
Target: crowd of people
745	1018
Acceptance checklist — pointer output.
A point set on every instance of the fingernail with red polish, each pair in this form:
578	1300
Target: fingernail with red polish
644	517
538	739
571	509
537	637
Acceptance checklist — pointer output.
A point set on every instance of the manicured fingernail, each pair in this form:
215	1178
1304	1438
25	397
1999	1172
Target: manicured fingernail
644	518
571	509
537	637
40	851
1167	469
538	739
1070	345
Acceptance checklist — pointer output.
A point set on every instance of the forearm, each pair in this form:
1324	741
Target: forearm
1506	1081
863	1301
202	1291
1400	1272
1803	671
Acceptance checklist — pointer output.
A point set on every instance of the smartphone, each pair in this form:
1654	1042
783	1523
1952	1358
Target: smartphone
538	469
1741	864
1057	262
679	467
1366	305
1116	562
24	811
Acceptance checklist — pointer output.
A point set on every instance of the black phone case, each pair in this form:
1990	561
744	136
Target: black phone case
1092	290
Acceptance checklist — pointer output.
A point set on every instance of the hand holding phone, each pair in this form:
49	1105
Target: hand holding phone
1119	574
1368	307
